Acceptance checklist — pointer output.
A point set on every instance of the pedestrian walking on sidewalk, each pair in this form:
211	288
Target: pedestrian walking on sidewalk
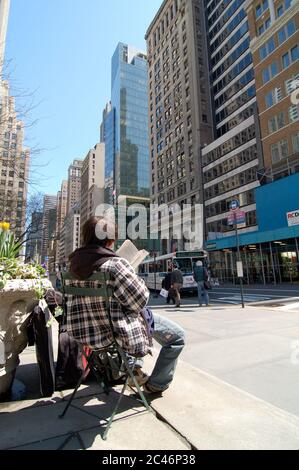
166	284
177	283
201	276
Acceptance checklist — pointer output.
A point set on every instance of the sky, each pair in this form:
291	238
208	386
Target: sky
61	50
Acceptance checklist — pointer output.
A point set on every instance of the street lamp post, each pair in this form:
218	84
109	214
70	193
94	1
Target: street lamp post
235	217
239	263
155	274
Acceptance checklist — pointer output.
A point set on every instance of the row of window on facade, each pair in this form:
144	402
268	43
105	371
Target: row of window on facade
214	26
236	104
236	120
247	155
229	44
233	73
233	182
219	227
262	7
21	184
231	144
280	150
165	22
171	196
229	28
279	121
276	94
240	83
280	10
276	67
7	154
246	198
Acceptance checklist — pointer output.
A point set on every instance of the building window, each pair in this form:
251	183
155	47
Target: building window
283	7
276	122
295	142
279	151
270	72
259	10
293	113
273	97
264	27
286	32
290	57
292	84
267	49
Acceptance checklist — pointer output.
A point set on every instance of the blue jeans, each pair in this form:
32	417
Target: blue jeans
202	293
172	339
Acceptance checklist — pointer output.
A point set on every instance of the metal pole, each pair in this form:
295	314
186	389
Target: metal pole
272	262
239	259
262	261
247	270
155	274
297	249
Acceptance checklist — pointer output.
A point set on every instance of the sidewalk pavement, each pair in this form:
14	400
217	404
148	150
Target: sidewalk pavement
198	411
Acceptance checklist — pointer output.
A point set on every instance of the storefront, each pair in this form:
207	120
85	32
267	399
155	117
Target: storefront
270	255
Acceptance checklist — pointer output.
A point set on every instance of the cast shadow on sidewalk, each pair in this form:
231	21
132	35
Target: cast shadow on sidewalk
36	425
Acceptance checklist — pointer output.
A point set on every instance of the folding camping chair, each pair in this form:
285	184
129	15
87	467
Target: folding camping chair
94	362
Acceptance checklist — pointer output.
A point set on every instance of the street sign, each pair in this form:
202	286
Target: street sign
231	218
293	218
240	217
234	205
240	269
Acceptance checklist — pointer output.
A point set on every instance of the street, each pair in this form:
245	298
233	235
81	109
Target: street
276	296
253	349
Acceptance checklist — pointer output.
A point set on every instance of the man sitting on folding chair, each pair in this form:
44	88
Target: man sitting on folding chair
87	318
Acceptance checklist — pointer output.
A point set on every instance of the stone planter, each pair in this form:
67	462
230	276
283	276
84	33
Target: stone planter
17	300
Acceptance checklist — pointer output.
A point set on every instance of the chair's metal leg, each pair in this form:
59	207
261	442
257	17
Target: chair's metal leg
74	392
115	409
95	371
130	372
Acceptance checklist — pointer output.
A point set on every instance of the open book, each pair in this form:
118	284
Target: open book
129	251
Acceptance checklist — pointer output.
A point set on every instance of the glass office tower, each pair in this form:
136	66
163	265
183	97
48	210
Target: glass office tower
126	127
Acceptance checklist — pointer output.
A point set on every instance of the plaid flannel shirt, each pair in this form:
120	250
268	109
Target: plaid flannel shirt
87	319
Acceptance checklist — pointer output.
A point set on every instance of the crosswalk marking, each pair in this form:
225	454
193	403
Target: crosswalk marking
247	298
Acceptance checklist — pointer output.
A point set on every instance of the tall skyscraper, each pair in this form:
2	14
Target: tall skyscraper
108	136
74	184
14	164
70	235
61	214
92	182
274	31
49	224
125	126
180	118
231	163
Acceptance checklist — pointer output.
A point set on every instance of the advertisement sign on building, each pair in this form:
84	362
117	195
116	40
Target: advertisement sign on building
293	218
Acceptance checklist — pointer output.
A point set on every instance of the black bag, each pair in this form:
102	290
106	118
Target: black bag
69	366
39	334
110	367
207	285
